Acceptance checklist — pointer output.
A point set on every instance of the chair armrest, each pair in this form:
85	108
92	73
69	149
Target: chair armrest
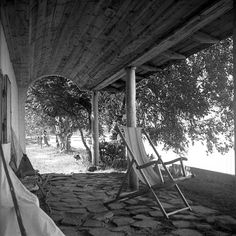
181	159
147	164
175	160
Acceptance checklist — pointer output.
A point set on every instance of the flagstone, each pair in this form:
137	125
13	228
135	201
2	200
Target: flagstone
104	232
70	201
107	216
156	213
142	217
139	211
92	223
181	224
132	201
185	217
74	219
145	224
69	231
57	217
116	206
226	222
99	195
187	232
96	208
121	212
79	210
202	226
221	233
175	201
203	210
120	221
91	202
134	207
124	228
81	201
165	205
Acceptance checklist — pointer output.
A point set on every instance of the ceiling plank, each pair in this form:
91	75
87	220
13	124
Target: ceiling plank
193	25
186	30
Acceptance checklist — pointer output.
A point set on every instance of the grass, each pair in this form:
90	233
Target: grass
51	160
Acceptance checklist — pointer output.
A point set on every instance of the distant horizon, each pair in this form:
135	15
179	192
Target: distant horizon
197	157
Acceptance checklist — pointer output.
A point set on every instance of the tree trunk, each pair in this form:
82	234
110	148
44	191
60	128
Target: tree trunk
85	145
57	141
68	141
63	133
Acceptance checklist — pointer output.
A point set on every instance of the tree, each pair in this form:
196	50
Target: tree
188	101
61	104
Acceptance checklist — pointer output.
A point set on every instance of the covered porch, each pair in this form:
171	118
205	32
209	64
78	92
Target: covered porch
107	45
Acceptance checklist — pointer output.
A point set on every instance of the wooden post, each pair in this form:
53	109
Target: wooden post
22	93
95	129
234	76
131	114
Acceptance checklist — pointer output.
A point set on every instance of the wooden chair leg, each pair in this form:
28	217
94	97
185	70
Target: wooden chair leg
183	197
159	204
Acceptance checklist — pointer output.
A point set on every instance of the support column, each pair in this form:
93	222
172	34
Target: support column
22	92
131	114
234	76
95	129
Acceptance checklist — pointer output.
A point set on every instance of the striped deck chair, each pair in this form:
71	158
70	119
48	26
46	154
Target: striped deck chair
152	178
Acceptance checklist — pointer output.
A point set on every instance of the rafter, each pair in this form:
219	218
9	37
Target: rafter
186	30
121	73
173	55
192	26
204	38
150	68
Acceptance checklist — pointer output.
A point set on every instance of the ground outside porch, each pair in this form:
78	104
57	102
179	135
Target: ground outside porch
75	203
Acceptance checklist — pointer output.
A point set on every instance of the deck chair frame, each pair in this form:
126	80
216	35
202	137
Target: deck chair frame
149	187
13	195
25	168
31	172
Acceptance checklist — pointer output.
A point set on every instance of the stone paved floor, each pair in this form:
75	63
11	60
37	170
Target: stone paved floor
76	205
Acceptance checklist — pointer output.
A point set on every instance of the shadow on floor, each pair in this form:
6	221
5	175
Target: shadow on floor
75	203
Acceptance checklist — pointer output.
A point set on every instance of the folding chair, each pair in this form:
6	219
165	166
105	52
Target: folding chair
30	177
143	167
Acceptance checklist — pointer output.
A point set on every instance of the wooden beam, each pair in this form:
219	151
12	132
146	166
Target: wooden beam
131	115
187	30
112	89
193	25
173	55
95	129
150	68
204	38
121	73
117	84
234	75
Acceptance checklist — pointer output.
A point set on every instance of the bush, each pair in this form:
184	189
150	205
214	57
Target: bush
112	154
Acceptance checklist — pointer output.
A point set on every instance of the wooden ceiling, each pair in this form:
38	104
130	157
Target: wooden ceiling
92	42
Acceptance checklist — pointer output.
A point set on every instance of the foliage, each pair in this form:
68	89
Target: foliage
112	154
56	101
188	101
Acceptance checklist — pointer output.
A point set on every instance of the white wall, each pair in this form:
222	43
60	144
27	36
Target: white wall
7	68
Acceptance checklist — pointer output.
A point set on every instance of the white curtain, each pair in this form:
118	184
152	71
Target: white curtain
35	220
